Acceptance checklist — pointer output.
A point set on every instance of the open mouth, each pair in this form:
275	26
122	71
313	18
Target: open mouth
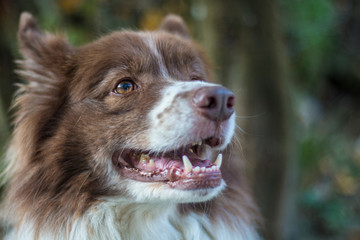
186	168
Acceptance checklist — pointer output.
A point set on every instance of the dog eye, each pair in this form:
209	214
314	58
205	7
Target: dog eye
125	86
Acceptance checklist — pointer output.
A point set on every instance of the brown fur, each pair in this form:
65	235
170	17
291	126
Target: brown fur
64	111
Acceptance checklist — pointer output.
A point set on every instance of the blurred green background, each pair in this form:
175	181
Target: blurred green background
295	68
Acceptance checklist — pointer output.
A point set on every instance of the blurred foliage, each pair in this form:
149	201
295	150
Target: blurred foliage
322	53
323	43
310	27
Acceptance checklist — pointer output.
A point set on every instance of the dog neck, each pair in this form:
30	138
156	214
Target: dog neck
124	220
119	219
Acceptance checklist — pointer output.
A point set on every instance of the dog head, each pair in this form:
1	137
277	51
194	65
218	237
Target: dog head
132	116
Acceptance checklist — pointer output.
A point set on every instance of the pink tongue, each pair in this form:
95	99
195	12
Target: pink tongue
166	163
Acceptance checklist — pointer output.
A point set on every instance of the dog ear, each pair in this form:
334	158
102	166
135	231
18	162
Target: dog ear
175	25
49	62
45	49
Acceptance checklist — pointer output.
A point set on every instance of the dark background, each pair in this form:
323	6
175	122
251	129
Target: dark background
295	68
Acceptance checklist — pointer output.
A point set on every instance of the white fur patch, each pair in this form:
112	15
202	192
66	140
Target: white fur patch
161	192
115	219
180	122
152	45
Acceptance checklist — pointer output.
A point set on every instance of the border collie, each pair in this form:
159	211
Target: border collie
123	138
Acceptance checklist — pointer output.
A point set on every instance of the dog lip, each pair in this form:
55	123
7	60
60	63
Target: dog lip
208	180
168	169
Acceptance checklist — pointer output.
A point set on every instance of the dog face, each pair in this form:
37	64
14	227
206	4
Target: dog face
131	116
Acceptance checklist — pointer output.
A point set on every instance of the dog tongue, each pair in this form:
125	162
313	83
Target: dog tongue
166	163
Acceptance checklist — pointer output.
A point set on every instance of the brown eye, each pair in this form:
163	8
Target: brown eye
125	86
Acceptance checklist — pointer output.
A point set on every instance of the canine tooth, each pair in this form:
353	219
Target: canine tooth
190	149
218	160
196	169
202	169
187	164
152	162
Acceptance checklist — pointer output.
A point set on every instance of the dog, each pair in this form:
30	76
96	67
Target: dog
124	138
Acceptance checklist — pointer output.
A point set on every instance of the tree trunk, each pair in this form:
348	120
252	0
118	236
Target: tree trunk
267	90
251	60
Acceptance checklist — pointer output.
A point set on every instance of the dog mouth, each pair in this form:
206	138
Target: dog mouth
187	168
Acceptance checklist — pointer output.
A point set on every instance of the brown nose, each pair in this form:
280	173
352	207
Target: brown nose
215	103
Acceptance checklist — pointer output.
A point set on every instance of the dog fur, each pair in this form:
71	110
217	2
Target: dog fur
61	182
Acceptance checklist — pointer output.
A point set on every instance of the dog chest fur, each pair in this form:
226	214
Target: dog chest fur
116	221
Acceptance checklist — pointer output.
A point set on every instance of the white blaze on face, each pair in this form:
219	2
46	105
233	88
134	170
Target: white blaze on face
174	121
152	45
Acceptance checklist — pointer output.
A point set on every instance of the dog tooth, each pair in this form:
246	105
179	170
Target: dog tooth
152	162
190	149
187	164
144	158
218	160
202	169
196	169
